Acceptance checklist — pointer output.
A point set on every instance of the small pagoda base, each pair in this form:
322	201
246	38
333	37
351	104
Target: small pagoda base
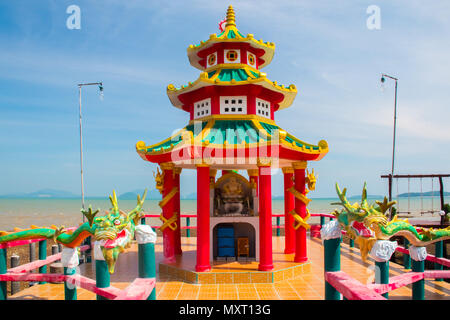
233	272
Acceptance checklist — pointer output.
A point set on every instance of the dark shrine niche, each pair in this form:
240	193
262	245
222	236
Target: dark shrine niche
233	196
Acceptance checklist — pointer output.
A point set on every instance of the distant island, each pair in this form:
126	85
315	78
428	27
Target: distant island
42	194
423	194
154	194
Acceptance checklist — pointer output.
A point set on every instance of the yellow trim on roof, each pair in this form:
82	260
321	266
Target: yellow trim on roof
234	117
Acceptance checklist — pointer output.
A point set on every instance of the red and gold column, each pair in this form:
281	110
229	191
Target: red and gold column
300	210
203	202
265	215
177	172
289	204
168	216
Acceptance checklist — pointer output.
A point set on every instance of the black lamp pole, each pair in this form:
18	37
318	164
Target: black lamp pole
383	79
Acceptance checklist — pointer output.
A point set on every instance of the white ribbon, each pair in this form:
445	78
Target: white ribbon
382	250
418	253
331	230
69	257
145	234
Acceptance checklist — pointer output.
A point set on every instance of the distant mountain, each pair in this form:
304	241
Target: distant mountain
369	196
132	195
44	193
424	194
190	196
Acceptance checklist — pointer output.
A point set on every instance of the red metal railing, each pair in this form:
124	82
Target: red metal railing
352	289
139	289
278	224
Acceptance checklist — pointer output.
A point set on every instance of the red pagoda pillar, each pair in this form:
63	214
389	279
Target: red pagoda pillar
168	210
289	203
203	238
265	216
177	172
300	208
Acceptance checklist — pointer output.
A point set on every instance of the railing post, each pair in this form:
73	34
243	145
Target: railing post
146	239
15	285
381	252
278	226
352	243
42	256
406	256
418	256
322	220
70	261
439	253
188	224
88	252
3	268
102	276
32	253
331	236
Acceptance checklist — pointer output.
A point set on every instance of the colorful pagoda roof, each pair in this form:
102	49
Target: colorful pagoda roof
231	132
229	35
233	74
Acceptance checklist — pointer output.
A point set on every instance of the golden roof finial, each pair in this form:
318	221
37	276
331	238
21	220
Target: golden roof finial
230	17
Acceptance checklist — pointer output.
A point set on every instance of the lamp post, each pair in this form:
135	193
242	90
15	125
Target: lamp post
383	79
80	85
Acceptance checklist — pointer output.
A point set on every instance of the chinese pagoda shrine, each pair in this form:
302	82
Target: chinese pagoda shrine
232	127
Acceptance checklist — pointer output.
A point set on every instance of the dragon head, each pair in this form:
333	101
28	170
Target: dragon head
311	180
159	179
115	230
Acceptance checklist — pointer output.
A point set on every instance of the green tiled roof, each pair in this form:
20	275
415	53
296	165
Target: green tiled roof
234	131
178	138
236	74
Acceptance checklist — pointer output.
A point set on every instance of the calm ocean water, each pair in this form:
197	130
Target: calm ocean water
22	213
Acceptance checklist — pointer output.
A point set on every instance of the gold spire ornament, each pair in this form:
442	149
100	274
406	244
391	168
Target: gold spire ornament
230	17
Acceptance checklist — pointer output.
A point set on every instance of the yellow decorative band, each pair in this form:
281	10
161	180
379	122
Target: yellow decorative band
169	222
300	165
299	221
287	170
169	196
167	166
299	195
264	162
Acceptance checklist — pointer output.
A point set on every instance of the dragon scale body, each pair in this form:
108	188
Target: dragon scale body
367	223
114	231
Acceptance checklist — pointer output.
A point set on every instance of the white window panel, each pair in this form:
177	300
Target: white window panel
232	56
233	105
202	108
262	108
211	60
251	59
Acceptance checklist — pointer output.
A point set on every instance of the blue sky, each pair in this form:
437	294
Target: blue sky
138	47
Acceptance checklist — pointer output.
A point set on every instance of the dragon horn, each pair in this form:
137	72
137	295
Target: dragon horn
141	201
113	200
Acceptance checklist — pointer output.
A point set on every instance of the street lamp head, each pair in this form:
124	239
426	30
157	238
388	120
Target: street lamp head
100	87
383	79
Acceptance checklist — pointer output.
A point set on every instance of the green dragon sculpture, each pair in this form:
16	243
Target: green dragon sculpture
115	230
368	223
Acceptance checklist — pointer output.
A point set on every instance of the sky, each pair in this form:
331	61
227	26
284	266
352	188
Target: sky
136	48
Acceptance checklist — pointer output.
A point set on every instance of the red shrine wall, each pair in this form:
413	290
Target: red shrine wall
220	51
256	100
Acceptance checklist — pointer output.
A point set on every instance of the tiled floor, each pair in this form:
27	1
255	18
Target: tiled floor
308	286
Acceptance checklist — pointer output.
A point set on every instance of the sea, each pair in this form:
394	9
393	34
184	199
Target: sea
22	213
